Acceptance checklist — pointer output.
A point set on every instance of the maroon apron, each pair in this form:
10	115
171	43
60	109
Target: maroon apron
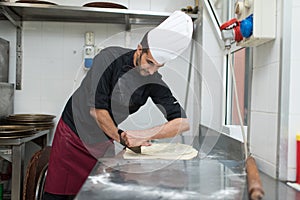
70	161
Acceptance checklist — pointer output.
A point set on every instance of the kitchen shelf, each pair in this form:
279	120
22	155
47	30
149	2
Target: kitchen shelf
16	13
45	12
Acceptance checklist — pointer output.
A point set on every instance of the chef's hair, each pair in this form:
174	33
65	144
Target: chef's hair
145	44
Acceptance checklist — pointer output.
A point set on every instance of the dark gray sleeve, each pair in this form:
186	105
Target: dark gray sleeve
163	98
100	80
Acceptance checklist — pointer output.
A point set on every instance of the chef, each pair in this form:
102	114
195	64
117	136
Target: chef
118	84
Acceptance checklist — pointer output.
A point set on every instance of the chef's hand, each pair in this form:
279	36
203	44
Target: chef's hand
133	140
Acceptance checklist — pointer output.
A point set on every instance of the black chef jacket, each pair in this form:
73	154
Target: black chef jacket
115	85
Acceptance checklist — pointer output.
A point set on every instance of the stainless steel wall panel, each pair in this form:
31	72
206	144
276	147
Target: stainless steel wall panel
6	99
4	60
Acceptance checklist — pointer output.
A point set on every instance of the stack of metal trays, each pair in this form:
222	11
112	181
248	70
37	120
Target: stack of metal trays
38	121
16	131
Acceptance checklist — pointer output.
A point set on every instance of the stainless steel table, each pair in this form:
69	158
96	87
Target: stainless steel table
215	175
15	148
218	175
163	179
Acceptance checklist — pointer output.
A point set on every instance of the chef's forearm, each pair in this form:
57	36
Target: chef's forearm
171	128
167	130
106	123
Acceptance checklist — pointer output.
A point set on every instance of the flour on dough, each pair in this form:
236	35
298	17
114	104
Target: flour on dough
167	151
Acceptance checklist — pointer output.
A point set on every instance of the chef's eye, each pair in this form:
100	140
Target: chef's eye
150	62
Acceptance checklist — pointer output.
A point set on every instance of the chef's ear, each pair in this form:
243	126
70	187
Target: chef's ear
139	49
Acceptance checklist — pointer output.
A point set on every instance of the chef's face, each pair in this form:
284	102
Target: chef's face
145	63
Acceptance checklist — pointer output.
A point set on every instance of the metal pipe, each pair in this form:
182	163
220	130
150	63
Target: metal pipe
189	74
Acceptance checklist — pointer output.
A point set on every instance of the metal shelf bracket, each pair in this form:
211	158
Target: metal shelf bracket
19	59
127	23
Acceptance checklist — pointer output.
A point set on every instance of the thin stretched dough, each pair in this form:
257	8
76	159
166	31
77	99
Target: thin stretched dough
166	151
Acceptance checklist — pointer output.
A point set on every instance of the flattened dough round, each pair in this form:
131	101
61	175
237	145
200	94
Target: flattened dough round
167	151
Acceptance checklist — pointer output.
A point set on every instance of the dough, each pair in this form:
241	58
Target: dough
167	151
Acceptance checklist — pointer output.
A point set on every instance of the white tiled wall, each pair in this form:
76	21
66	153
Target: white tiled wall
264	146
153	5
265	101
265	92
52	58
138	5
294	117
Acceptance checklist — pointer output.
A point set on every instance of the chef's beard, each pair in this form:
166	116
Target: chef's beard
138	67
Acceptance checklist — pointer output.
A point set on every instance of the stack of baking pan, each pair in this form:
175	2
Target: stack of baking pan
38	121
16	131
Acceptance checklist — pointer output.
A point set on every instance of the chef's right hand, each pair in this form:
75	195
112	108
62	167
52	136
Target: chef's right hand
132	140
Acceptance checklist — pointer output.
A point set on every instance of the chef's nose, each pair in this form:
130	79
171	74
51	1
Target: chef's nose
152	70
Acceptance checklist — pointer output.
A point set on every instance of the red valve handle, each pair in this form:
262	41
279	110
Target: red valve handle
235	25
230	24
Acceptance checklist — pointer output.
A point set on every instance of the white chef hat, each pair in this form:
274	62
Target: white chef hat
169	39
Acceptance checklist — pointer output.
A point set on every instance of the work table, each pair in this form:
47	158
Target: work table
161	179
216	173
13	150
207	176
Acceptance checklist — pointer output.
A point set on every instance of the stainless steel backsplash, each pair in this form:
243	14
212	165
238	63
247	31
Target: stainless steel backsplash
6	99
4	60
